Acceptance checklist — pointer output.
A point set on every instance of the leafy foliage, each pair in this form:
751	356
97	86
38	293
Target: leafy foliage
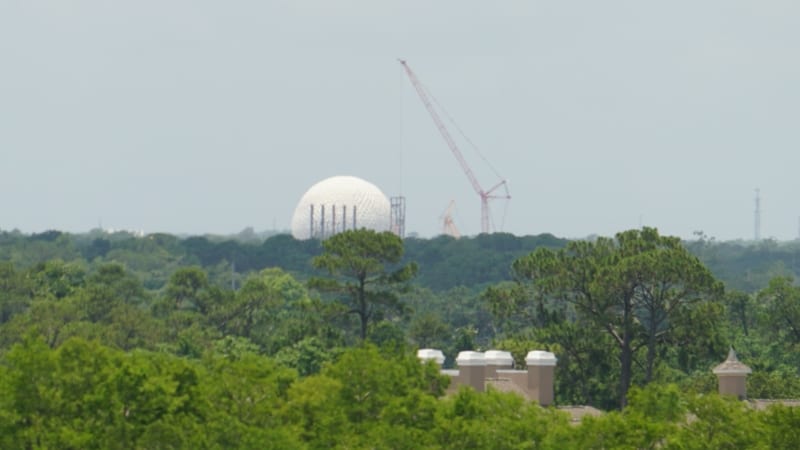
121	341
359	262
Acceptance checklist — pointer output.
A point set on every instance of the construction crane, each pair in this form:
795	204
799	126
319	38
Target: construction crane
485	194
448	225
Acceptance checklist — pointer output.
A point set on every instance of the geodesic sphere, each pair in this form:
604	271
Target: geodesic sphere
340	203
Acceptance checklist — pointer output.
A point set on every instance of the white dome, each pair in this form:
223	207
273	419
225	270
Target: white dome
351	201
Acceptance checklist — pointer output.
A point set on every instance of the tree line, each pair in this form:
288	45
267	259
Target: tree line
445	263
625	312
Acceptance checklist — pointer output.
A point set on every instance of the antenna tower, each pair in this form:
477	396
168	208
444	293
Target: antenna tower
397	216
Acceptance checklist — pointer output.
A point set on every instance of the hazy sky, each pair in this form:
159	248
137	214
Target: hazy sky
207	116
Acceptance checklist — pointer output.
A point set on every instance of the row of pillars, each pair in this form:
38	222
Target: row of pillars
474	368
330	227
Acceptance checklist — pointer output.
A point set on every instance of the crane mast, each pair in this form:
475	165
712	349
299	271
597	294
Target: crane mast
485	195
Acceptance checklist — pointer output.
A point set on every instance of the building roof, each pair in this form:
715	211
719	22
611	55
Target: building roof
507	385
762	404
732	366
576	412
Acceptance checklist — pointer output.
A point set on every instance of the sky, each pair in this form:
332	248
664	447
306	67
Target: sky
194	117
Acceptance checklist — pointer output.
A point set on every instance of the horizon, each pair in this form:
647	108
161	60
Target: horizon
268	233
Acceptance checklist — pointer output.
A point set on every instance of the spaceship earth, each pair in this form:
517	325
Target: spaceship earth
329	206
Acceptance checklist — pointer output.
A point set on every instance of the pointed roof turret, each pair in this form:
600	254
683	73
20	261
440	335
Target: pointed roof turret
732	366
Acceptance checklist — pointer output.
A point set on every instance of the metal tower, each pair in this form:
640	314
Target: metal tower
397	216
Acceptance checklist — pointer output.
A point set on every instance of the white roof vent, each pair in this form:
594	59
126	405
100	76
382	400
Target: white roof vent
470	358
499	358
540	358
428	354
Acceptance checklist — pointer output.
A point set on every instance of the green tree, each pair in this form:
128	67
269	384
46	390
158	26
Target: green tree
110	286
741	311
274	311
15	292
54	321
363	264
56	279
86	396
652	416
314	411
586	368
368	398
639	288
496	420
781	302
130	327
429	330
307	355
783	426
255	306
721	423
250	388
187	287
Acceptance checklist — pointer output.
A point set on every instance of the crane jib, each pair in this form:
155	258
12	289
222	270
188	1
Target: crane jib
485	195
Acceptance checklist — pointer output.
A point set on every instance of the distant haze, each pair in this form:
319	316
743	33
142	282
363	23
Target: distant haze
209	117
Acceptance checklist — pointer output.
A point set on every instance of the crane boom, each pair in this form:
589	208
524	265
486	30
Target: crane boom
484	194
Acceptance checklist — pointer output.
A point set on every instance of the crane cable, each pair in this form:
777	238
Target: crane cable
460	131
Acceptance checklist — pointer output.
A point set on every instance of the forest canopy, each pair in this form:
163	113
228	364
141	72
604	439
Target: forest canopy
119	341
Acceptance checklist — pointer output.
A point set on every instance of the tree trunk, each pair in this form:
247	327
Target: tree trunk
743	315
651	347
626	362
362	307
363	316
651	358
626	355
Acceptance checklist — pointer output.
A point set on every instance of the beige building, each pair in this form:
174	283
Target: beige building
495	368
732	376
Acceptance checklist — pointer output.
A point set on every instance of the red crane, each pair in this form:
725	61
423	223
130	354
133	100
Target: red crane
485	194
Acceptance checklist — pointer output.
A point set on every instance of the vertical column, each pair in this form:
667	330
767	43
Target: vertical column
472	369
541	373
311	223
322	223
